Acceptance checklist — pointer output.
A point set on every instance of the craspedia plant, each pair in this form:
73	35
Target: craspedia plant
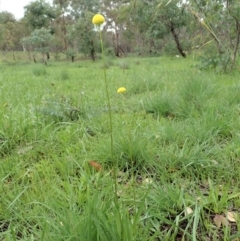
98	19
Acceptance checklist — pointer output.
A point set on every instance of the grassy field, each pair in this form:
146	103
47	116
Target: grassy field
176	147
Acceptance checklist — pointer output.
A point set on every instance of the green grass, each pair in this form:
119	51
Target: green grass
176	143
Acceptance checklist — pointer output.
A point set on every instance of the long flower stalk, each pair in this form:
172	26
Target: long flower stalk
98	20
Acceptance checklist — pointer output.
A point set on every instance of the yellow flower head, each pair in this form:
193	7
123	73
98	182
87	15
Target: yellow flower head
98	19
121	90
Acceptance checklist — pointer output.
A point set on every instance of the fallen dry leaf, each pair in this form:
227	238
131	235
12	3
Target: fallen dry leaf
214	162
188	211
198	198
147	181
220	220
120	193
231	216
23	150
95	165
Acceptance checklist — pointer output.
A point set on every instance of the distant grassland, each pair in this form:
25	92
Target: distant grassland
176	141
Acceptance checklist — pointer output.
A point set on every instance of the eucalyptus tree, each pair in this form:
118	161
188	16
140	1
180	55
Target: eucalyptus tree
221	20
73	25
38	41
6	17
8	36
7	24
9	32
117	19
81	37
157	19
39	14
83	10
62	21
79	8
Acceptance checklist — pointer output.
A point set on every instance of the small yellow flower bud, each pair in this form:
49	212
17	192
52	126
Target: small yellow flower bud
98	19
121	90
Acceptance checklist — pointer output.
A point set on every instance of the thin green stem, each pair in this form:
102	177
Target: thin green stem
133	178
110	120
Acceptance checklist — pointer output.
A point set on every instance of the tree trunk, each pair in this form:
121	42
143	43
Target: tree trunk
44	59
237	43
117	52
34	59
219	45
64	29
29	54
92	52
175	36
